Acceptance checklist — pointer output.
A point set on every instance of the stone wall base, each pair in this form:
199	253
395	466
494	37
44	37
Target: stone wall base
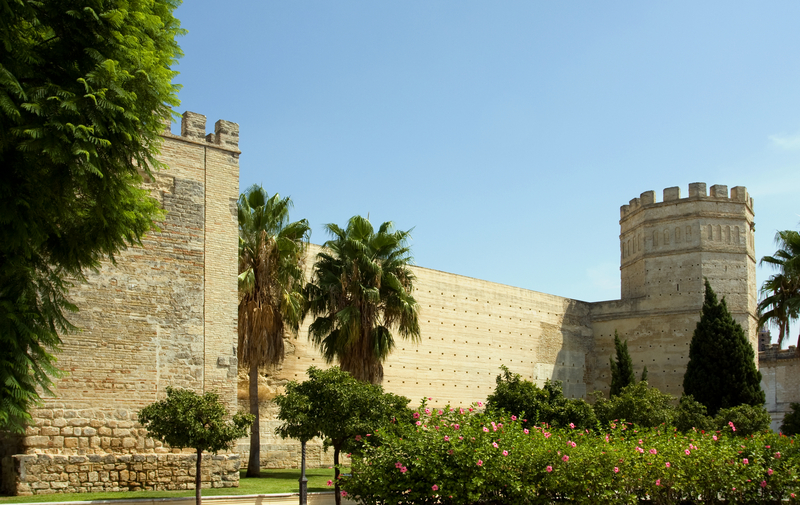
30	474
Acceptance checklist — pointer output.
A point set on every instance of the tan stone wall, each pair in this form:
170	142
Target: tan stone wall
49	474
469	328
780	380
164	315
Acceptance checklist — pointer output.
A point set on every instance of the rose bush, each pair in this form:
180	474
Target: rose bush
461	456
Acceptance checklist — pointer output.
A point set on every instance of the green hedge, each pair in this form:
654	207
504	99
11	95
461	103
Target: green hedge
462	456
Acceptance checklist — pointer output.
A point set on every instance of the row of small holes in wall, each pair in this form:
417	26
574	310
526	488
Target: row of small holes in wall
467	342
467	355
478	313
488	329
498	303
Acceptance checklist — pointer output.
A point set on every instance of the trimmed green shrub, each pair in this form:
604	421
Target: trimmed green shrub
743	420
524	399
637	403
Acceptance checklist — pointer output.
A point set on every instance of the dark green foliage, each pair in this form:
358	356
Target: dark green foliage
548	405
519	397
721	372
747	419
622	368
791	421
644	375
692	414
636	403
336	407
361	291
185	419
85	87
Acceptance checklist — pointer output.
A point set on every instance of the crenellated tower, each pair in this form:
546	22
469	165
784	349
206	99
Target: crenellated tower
667	248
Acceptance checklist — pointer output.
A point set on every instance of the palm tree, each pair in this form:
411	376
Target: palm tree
360	289
781	292
271	301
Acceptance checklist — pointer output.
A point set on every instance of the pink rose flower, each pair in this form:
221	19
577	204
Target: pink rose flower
480	462
769	471
435	487
549	468
616	470
565	458
505	453
668	465
745	461
330	483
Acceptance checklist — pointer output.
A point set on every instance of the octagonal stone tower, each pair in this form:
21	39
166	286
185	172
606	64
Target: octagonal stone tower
667	248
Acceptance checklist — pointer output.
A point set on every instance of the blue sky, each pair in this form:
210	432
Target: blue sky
507	134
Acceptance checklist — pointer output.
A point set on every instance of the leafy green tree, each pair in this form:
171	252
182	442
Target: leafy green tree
644	375
721	372
791	421
746	419
85	89
361	289
338	408
185	419
525	399
271	300
781	292
622	368
637	403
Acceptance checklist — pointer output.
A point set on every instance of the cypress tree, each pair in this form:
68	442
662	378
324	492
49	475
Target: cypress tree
644	375
721	372
622	369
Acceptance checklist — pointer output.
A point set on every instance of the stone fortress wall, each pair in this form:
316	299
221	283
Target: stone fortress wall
165	315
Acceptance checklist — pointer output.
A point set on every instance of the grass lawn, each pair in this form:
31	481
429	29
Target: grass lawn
270	481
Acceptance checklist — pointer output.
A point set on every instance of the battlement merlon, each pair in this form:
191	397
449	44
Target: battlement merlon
193	129
773	352
697	191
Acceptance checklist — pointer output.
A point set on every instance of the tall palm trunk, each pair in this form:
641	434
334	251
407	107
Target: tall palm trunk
254	462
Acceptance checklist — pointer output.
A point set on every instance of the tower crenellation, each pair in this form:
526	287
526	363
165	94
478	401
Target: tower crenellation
668	248
193	129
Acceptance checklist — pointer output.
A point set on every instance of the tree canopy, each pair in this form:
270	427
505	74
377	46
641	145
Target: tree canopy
185	419
721	372
338	408
85	90
271	299
360	291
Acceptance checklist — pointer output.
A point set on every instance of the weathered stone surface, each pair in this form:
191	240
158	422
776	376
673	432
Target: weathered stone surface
42	474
